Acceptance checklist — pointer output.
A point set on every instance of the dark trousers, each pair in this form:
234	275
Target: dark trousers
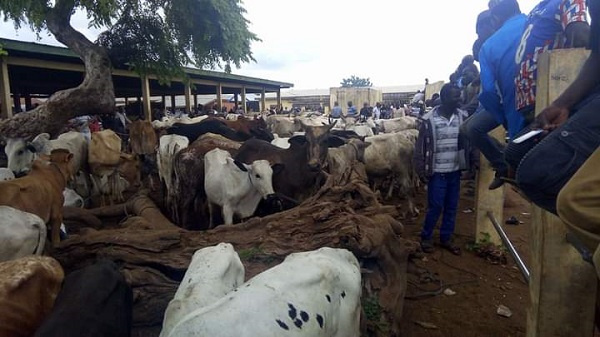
443	191
476	129
544	167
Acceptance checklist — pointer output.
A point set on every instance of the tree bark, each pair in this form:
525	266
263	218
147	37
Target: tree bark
154	256
95	95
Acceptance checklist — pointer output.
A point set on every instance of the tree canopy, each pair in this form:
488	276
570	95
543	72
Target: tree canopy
355	81
150	36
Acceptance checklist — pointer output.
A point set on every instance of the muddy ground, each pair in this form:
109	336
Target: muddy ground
480	285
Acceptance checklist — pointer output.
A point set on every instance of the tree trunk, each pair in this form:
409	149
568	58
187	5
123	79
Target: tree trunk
154	256
95	95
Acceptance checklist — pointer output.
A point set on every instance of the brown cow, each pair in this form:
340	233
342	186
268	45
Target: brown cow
252	127
302	161
188	168
142	138
40	192
28	288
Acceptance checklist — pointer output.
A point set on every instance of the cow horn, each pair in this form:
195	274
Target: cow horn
332	124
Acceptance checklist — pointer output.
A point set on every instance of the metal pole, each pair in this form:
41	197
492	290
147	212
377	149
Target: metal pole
511	249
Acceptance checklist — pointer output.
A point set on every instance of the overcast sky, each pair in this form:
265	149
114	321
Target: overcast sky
316	43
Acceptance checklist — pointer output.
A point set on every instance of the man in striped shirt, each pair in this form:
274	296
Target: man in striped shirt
439	157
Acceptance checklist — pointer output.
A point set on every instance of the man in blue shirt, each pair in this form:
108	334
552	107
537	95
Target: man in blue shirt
351	110
336	112
498	67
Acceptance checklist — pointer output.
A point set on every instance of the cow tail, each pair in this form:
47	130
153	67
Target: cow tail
39	249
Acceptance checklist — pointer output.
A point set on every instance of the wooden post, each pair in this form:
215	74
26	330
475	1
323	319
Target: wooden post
562	286
244	103
173	104
188	97
146	100
195	101
263	100
487	200
28	105
220	96
17	102
6	107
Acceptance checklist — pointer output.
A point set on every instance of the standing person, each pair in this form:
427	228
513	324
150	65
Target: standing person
365	112
440	155
377	111
497	61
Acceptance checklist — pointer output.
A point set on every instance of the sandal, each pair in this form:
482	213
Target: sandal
451	247
427	246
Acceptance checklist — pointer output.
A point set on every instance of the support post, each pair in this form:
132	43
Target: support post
195	101
17	102
173	104
28	105
486	200
563	287
279	99
146	100
6	107
220	97
244	103
188	97
263	100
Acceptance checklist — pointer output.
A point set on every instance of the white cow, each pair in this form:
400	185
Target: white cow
390	157
72	199
341	160
6	174
213	272
397	124
22	234
313	294
21	153
284	126
235	186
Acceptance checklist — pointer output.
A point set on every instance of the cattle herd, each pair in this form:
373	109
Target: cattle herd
204	171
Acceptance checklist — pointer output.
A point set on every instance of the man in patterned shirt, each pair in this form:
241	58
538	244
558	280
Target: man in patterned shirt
439	157
552	24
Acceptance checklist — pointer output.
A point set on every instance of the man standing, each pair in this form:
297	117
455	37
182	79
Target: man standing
439	157
497	61
351	110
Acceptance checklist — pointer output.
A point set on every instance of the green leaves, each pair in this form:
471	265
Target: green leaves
155	36
355	81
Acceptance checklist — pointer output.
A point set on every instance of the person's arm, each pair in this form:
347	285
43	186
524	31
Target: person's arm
573	17
489	95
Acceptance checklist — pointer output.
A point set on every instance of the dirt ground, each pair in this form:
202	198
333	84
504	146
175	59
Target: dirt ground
480	285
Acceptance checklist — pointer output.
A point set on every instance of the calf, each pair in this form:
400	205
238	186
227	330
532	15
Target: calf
94	301
213	272
313	293
28	289
235	186
22	234
40	192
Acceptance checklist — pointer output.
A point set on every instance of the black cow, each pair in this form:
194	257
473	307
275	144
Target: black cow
195	130
95	301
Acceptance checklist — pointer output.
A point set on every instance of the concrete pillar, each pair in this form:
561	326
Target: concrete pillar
220	96
6	107
146	101
278	99
188	97
244	104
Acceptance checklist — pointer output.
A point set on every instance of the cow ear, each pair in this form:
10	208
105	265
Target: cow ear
335	141
69	157
277	168
298	140
240	165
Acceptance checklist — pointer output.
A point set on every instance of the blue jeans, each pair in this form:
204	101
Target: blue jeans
547	167
476	129
443	191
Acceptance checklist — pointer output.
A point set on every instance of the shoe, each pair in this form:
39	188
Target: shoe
427	246
451	247
498	181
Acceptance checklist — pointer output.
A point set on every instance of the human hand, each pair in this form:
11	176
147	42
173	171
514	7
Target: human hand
550	118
